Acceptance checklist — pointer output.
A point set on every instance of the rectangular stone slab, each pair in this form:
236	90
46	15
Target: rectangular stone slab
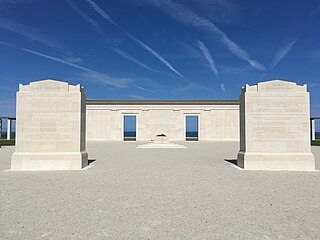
275	128
50	127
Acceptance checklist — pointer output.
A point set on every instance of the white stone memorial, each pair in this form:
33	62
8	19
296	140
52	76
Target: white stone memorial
275	127
50	127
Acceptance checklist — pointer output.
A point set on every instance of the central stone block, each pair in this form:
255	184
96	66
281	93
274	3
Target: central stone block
161	139
275	128
50	126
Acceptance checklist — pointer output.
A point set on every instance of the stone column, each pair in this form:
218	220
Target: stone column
0	128
275	127
50	126
8	129
313	129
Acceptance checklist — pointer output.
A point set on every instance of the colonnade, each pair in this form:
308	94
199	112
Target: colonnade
313	128
9	126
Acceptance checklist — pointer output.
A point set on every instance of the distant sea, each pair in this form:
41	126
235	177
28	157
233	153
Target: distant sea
317	135
129	134
133	134
192	134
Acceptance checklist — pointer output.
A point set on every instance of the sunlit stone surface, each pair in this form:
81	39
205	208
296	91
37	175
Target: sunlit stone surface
218	121
161	139
274	127
50	127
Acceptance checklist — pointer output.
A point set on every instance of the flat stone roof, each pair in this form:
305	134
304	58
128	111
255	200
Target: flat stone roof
162	102
10	118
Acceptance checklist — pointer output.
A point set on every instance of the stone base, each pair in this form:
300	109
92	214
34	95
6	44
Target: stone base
48	161
161	140
164	145
276	161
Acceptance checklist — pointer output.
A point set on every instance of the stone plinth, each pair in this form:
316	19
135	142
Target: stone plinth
274	127
50	127
161	139
313	129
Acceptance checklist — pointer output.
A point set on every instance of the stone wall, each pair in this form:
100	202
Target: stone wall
216	122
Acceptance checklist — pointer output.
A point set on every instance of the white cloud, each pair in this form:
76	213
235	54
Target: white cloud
73	59
92	22
138	97
209	57
88	73
105	79
281	53
226	11
311	85
101	12
93	75
192	86
157	55
188	17
132	59
56	59
28	32
7	44
104	15
223	88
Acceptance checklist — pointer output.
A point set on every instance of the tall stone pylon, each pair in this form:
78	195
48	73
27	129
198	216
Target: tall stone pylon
50	127
275	127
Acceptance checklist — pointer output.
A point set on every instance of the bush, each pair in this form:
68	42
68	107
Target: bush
315	143
4	142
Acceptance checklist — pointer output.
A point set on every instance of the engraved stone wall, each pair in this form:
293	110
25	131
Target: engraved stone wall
274	127
50	127
216	122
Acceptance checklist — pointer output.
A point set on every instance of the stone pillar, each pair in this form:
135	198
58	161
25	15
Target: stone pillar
8	129
275	127
0	128
50	126
313	129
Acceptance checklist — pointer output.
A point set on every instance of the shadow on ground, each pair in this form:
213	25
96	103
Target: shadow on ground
90	161
231	161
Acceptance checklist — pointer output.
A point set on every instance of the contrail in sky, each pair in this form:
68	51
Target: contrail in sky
188	17
92	22
132	59
281	53
28	32
209	57
89	73
104	15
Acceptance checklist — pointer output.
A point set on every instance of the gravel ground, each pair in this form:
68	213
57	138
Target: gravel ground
131	193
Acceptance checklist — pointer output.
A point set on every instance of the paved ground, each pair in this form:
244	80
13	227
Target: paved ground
131	193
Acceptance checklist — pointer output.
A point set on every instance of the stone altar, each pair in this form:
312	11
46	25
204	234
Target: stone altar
161	139
274	127
50	127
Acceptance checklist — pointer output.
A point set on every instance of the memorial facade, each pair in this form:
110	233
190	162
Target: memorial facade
50	127
271	120
275	127
217	120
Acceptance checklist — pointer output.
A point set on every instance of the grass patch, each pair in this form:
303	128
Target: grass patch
315	143
4	142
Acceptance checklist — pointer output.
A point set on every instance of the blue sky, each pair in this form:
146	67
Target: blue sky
159	49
